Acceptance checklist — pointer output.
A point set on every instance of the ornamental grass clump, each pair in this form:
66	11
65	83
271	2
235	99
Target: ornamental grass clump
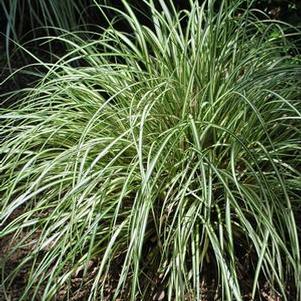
166	162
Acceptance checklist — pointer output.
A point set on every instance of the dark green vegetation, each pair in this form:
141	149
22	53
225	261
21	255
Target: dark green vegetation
158	162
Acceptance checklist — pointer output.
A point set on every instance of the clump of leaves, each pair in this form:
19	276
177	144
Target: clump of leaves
173	150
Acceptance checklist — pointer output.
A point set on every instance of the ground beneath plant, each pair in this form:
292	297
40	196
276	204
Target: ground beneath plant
81	284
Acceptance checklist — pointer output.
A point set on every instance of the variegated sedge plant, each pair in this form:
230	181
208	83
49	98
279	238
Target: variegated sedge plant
174	150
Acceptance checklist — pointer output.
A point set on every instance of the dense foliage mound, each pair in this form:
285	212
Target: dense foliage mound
166	158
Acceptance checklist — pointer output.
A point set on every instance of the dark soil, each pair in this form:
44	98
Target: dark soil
80	284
